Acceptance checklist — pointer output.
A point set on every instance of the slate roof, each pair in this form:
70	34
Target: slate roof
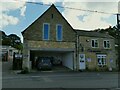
93	34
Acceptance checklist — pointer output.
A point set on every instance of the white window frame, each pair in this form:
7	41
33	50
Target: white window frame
94	43
104	58
57	31
48	31
106	44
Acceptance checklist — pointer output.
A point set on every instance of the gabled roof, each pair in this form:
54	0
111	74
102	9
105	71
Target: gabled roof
52	6
93	34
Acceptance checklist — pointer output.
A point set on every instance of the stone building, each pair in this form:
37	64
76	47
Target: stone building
97	50
52	36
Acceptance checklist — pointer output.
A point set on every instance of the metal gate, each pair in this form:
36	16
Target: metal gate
17	61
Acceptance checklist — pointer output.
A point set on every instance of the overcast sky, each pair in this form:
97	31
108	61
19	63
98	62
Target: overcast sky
16	15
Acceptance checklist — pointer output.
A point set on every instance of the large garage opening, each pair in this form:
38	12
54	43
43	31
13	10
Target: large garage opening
60	60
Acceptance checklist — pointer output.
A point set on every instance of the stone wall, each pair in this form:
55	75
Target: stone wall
49	44
35	30
42	46
86	42
92	52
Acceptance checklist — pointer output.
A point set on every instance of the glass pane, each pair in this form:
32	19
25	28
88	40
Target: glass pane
104	43
99	61
93	43
102	61
46	31
59	32
105	61
96	44
108	44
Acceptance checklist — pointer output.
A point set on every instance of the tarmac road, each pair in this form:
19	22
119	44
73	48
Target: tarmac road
62	80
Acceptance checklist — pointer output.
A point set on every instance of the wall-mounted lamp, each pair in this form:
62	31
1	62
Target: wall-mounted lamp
87	40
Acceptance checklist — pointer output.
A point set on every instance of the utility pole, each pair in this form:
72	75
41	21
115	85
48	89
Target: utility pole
118	27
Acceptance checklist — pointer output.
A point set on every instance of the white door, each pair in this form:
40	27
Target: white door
81	61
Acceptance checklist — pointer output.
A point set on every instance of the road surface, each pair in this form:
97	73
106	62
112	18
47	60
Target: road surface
61	80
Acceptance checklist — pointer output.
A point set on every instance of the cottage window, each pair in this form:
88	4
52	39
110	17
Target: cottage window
94	43
106	44
46	28
59	32
101	60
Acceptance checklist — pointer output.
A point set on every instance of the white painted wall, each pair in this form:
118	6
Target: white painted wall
68	60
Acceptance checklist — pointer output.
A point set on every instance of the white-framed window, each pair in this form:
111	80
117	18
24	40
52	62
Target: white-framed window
94	43
59	30
46	31
106	44
101	59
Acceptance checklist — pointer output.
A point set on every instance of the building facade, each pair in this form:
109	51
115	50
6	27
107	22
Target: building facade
96	51
52	36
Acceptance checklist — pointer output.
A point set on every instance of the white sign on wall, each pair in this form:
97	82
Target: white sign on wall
82	61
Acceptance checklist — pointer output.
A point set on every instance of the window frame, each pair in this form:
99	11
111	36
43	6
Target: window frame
57	32
94	43
48	31
106	44
102	57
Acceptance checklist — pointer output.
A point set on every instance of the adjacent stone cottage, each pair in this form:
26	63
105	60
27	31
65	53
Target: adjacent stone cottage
96	50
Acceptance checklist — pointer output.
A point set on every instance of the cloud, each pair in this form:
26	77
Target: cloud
7	19
7	6
44	1
90	20
79	20
49	1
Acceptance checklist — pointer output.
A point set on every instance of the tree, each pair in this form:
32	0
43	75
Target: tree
113	31
15	41
6	41
11	40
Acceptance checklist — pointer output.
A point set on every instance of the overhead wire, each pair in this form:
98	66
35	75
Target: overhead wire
86	10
